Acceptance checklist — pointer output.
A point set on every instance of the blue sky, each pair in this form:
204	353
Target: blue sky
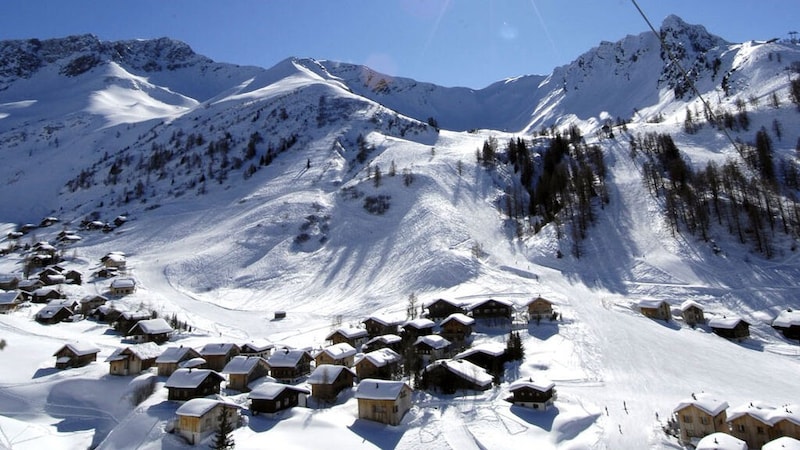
448	42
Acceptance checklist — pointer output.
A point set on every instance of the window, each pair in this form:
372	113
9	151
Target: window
704	420
740	428
687	418
395	408
760	430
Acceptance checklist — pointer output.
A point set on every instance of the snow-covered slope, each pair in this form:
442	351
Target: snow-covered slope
251	190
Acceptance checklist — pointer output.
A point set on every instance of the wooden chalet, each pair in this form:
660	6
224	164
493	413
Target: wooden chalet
133	359
431	347
540	308
199	418
242	370
185	384
351	335
91	302
257	347
490	356
106	272
753	423
377	325
788	323
654	308
73	277
328	380
692	313
170	359
122	286
107	314
451	375
151	330
535	394
9	281
338	354
786	421
457	328
114	260
45	294
288	366
383	363
10	301
127	319
218	354
30	285
415	328
69	303
270	397
700	415
441	308
391	341
76	354
53	314
492	310
50	276
733	328
383	401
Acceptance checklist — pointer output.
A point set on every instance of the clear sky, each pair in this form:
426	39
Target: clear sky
448	42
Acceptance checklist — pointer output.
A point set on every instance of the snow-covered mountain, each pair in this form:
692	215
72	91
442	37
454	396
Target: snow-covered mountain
251	190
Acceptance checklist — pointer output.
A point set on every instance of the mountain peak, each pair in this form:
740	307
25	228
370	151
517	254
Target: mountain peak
676	32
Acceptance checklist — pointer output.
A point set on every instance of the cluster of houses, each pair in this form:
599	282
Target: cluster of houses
377	358
729	327
707	422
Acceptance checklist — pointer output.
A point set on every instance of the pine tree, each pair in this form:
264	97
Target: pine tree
222	436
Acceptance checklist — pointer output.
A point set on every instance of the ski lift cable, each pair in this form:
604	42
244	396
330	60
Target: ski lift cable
677	63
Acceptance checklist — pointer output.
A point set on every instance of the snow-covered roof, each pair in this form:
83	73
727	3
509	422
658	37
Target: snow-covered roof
123	283
192	363
373	389
464	369
172	355
242	364
257	345
135	315
489	348
540	298
705	402
348	332
387	339
62	302
720	441
457	303
501	301
217	349
327	373
189	378
380	357
147	350
788	412
384	320
758	410
49	311
270	390
726	323
782	443
433	341
650	302
153	326
459	317
787	318
691	303
538	384
44	291
197	407
419	324
93	298
339	351
79	348
286	358
8	297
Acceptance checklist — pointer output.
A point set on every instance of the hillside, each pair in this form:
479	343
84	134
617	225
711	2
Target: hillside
248	191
